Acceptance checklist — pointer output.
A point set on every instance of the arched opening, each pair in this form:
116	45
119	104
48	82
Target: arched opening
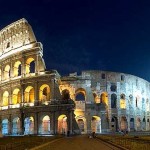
80	96
122	101
132	124
44	93
62	124
81	123
114	124
5	98
16	98
5	127
29	94
30	66
7	72
45	125
138	124
123	125
17	69
104	98
96	124
29	125
113	101
143	124
148	124
65	95
16	126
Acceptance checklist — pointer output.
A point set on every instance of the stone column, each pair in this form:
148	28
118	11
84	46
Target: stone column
55	123
11	70
36	127
9	125
22	128
36	93
2	73
23	67
37	64
88	122
22	95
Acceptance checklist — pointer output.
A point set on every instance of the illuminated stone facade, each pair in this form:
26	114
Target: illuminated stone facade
109	101
35	101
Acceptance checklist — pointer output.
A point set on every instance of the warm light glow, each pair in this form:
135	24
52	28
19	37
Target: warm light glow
29	60
7	72
104	98
122	104
16	98
29	94
16	68
5	98
44	93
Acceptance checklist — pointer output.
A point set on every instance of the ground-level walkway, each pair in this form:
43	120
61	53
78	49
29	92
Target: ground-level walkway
77	143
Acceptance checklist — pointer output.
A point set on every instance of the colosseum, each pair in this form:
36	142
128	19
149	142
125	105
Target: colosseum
36	101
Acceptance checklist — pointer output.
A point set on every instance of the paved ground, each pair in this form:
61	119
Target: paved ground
78	143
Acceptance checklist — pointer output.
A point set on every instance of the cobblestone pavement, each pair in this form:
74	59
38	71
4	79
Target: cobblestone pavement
78	143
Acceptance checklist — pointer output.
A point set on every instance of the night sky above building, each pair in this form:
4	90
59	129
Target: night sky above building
88	34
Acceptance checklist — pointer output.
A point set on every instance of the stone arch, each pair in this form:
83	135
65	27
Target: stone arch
132	128
5	126
29	125
80	95
16	97
148	124
122	101
29	94
16	126
5	98
65	94
143	124
113	101
44	93
62	124
7	72
138	124
30	65
81	121
45	125
96	124
17	69
114	123
123	124
104	98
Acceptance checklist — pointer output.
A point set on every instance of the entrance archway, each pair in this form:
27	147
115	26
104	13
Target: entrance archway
16	126
46	125
96	124
29	125
62	124
123	124
132	124
5	127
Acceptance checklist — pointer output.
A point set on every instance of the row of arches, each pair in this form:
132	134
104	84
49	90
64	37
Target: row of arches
134	124
45	125
29	95
17	69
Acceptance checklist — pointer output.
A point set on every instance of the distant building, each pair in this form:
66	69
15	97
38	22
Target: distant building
36	101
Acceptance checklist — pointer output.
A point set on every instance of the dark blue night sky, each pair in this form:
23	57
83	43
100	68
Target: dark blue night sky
88	34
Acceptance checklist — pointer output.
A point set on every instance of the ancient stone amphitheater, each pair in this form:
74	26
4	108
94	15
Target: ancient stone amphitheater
36	101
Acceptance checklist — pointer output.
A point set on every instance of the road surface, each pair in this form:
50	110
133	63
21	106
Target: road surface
78	143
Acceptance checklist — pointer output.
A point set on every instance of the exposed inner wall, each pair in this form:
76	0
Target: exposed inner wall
16	35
